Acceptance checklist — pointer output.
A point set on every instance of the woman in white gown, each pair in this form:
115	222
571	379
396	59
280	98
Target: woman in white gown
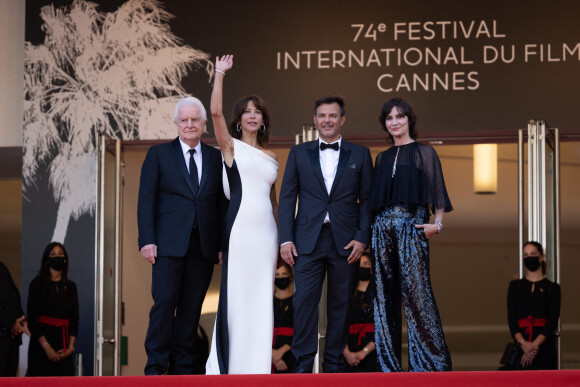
242	337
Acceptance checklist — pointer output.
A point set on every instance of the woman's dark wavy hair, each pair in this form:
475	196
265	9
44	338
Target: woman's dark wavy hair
540	249
239	109
44	272
403	107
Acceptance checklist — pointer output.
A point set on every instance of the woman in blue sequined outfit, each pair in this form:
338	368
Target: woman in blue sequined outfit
407	187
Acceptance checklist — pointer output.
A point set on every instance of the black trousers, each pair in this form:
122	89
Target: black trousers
8	355
179	286
309	271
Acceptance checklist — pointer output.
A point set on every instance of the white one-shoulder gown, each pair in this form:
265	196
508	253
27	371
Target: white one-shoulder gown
242	336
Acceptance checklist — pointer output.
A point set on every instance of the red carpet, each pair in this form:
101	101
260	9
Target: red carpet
446	379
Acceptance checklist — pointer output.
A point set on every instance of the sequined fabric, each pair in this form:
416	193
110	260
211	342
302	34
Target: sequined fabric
401	270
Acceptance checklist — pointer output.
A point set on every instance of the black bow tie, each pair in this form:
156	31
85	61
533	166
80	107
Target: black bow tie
324	146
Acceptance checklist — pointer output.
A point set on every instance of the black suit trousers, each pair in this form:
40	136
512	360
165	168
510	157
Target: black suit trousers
179	286
309	272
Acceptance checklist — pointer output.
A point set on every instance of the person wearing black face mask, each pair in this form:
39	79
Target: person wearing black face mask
53	313
533	312
360	351
283	360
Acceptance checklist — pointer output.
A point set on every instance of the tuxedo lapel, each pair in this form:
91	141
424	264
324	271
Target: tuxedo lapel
315	161
342	161
205	156
178	153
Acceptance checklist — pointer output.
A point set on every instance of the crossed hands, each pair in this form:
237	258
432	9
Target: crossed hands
530	351
277	361
56	356
353	358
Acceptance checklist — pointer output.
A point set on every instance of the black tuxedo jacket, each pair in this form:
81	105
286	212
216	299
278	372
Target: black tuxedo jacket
346	204
168	206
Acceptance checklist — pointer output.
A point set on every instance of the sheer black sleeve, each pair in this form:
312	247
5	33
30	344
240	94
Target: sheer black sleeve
410	175
432	181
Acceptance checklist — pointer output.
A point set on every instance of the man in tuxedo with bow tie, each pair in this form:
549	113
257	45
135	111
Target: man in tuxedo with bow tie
330	178
180	216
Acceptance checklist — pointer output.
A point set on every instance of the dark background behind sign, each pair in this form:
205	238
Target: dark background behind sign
508	94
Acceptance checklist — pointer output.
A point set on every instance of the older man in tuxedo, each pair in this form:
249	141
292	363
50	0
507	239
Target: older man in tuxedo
331	180
180	216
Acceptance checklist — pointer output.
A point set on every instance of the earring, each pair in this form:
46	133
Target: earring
238	128
262	129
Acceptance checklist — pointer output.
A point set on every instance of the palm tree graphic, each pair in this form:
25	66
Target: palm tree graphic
117	73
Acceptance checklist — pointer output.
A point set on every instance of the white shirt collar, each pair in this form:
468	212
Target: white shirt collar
185	148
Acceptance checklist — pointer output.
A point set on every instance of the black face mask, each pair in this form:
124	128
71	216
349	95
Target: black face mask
532	263
364	273
56	263
282	283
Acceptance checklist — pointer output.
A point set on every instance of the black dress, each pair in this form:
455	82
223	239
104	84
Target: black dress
533	313
361	332
284	330
53	300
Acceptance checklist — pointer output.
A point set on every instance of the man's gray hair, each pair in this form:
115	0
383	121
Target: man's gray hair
190	101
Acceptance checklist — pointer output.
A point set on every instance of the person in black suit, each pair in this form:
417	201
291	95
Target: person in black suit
180	216
13	323
331	178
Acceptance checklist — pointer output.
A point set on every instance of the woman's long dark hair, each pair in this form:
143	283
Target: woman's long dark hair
44	272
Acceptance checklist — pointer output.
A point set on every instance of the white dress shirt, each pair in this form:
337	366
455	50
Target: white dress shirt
329	164
196	156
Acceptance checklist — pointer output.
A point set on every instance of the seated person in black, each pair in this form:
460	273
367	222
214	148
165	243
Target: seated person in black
360	351
282	359
533	312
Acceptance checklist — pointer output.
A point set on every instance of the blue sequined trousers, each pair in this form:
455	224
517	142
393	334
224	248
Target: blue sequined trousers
401	270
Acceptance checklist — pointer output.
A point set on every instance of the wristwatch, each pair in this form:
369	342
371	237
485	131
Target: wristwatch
440	225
